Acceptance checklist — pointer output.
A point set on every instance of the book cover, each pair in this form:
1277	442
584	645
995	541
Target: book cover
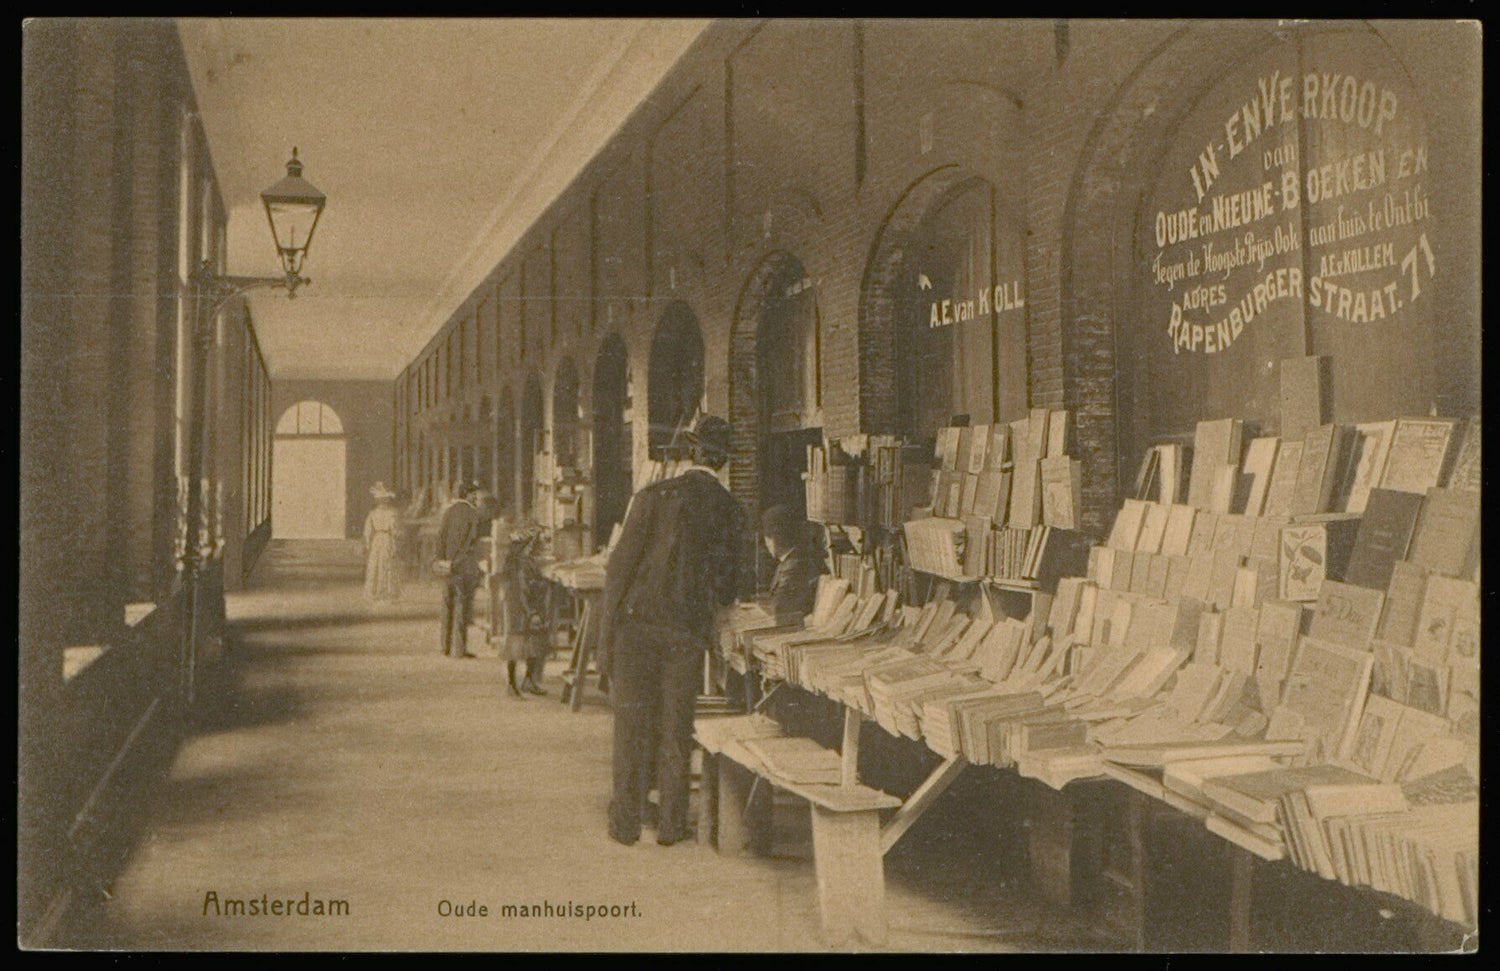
1061	484
967	495
1368	748
997	453
947	448
1176	578
979	446
1153	528
1403	604
1002	499
1170	487
1199	571
1418	454
1225	487
1234	533
1276	633
1365	465
1302	561
1466	473
1127	526
1283	483
1215	445
1383	536
1325	689
1226	565
1321	453
1178	529
1038	424
1210	637
1025	494
1446	536
1304	383
1448	624
1156	577
1205	526
964	446
1346	614
1237	650
1260	460
1140	570
987	495
1059	428
1427	686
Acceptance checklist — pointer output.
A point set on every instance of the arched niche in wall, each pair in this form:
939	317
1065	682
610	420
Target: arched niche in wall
943	309
567	419
612	465
504	436
775	383
1225	102
531	440
674	375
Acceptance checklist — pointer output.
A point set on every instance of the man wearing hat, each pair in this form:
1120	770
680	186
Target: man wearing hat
458	546
675	563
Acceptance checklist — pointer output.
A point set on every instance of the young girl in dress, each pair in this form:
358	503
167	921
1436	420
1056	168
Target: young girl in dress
522	618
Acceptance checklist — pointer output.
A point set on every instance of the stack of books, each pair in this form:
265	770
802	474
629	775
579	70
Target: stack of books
1418	840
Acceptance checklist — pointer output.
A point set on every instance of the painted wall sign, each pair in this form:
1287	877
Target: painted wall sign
1322	160
998	298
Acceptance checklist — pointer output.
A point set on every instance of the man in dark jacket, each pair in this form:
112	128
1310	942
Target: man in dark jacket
458	544
798	566
674	564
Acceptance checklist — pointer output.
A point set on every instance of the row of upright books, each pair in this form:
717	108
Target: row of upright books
959	549
1018	474
866	479
1330	468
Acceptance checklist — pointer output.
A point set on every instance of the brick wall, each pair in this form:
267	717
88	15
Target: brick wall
828	142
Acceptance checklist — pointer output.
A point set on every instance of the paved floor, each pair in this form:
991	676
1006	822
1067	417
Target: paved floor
356	764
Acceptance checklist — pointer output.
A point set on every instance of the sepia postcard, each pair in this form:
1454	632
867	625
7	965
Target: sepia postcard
765	485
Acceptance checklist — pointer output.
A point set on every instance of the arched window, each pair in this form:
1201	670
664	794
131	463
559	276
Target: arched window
309	418
309	487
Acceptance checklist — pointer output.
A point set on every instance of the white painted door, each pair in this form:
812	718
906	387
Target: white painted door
307	488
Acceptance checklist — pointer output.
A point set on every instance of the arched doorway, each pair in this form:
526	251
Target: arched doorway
943	309
308	469
674	376
531	441
775	396
612	472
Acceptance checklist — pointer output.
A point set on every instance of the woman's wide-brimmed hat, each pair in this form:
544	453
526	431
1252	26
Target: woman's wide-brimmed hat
379	491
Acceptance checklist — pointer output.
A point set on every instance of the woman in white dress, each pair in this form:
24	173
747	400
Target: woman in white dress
382	579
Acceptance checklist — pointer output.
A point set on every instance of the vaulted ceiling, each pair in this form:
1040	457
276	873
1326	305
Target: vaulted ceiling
438	142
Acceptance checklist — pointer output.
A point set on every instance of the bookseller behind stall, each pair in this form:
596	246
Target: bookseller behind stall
795	585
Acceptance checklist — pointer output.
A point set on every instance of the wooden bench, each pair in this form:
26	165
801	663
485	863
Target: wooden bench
849	841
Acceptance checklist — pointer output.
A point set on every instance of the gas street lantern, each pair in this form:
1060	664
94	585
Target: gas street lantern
293	206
